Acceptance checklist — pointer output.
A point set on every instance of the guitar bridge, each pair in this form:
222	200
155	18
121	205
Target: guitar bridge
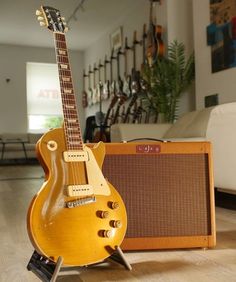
80	202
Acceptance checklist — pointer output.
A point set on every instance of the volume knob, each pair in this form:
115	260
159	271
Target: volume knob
115	205
116	223
104	214
107	233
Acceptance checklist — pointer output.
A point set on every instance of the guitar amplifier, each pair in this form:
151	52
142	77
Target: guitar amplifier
168	191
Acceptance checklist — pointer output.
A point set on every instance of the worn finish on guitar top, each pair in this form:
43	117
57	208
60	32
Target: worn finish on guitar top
77	234
77	214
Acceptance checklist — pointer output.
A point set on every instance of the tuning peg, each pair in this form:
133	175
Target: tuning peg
64	23
63	18
40	18
42	23
38	13
66	29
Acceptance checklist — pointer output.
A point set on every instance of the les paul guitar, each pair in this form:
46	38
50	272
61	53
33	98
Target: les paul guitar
77	214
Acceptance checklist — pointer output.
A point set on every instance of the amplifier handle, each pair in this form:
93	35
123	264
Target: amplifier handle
148	139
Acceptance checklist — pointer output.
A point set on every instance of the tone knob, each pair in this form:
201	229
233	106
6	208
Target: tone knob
52	145
42	24
38	13
40	18
116	223
104	214
114	205
107	233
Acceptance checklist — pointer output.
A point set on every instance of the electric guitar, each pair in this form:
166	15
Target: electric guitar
106	90
122	97
135	82
77	214
90	90
155	45
127	77
84	93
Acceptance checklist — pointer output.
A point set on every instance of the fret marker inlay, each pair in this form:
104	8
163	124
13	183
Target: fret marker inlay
64	66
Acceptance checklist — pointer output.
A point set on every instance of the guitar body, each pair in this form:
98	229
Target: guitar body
155	46
78	233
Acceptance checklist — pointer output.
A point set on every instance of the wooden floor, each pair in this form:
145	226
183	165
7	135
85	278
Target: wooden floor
19	183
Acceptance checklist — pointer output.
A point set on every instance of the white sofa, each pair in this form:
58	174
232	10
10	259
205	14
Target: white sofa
12	146
215	124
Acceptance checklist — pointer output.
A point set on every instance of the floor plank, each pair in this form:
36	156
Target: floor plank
18	184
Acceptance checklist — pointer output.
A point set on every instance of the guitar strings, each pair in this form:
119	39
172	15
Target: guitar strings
70	141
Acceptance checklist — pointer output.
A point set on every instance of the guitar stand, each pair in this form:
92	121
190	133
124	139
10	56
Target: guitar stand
48	271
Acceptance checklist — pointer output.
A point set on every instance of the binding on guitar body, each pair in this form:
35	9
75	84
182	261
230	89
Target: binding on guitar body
77	214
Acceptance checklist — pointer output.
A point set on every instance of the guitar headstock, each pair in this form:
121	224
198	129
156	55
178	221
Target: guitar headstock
52	19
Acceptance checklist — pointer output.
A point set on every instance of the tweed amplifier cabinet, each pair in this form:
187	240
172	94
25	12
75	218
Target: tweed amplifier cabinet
168	191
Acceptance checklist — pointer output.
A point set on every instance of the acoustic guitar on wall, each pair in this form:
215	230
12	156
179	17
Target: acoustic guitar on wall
77	214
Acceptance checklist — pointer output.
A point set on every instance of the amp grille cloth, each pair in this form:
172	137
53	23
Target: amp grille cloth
165	195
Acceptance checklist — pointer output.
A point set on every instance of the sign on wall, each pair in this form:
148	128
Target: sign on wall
221	34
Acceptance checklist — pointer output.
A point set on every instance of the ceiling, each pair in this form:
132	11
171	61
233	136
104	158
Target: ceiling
19	25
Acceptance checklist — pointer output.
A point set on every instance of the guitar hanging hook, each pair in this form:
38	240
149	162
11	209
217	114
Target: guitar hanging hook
135	41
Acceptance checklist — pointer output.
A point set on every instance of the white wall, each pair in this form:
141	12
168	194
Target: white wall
180	27
207	83
132	19
176	15
13	102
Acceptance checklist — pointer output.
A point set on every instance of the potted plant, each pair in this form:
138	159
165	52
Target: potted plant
166	81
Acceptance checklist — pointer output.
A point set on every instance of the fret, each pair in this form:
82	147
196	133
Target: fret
61	45
62	59
66	79
69	102
68	97
75	142
70	116
65	72
66	84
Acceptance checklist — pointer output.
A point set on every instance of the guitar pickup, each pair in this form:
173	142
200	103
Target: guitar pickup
75	156
79	190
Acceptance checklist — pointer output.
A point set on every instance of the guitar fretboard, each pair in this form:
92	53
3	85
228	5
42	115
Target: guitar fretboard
71	121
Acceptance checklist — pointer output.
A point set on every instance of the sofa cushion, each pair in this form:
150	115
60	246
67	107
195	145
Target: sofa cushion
129	131
34	137
178	128
198	126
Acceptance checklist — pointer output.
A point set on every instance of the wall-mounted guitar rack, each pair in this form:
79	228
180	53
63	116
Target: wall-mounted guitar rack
124	94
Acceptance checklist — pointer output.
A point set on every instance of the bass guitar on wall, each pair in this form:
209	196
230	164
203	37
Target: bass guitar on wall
77	214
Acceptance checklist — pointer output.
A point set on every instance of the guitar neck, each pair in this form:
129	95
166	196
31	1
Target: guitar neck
72	128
